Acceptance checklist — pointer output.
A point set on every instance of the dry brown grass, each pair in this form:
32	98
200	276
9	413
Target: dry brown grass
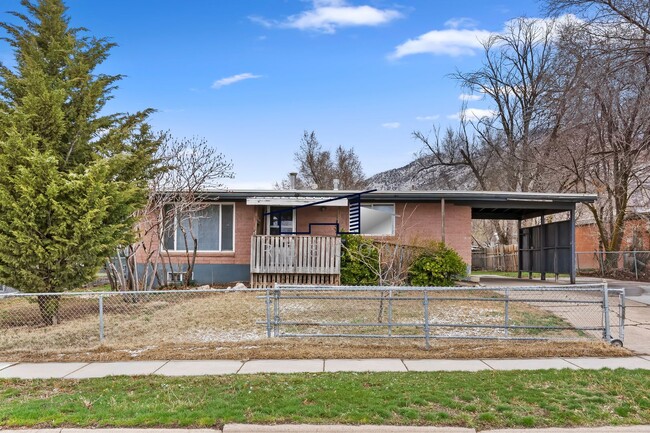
289	348
224	326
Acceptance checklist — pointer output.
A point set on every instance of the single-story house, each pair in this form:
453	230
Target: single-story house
263	236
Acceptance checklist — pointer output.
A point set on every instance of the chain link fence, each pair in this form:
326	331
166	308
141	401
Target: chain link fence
625	265
131	321
581	312
79	321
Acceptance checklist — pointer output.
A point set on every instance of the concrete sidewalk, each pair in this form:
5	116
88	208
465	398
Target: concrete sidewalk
84	370
311	428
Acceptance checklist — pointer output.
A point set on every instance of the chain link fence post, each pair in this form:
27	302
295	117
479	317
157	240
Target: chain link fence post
268	312
621	316
507	311
606	332
427	344
276	311
101	319
390	312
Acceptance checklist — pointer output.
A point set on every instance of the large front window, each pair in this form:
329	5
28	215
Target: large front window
377	219
212	226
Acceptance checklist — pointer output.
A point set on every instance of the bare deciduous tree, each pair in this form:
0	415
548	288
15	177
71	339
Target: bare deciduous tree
634	12
503	150
189	167
603	144
318	167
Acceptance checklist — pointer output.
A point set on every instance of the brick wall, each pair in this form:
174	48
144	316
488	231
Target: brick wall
587	240
322	214
416	223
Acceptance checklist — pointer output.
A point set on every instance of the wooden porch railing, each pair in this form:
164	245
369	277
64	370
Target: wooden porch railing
295	260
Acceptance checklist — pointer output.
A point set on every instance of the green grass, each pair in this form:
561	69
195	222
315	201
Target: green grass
543	320
486	399
524	275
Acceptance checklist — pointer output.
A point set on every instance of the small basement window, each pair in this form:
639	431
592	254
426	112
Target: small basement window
378	219
176	277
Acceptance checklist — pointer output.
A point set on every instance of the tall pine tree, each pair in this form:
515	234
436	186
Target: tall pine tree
71	176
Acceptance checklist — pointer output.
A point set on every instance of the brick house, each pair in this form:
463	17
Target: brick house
292	235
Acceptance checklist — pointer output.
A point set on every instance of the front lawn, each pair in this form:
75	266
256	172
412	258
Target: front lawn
486	399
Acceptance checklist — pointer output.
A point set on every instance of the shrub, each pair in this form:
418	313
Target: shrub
359	261
437	265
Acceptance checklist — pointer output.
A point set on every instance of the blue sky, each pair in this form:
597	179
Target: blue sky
251	75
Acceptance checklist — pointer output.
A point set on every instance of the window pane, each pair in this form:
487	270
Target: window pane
284	218
375	221
168	227
227	225
389	208
208	228
202	225
184	230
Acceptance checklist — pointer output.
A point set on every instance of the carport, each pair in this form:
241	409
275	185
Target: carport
546	248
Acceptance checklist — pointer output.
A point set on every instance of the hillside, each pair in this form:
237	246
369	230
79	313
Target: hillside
417	176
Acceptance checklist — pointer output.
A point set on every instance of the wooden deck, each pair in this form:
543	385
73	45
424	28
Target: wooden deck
295	260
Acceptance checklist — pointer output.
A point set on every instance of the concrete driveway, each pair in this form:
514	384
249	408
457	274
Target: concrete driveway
637	302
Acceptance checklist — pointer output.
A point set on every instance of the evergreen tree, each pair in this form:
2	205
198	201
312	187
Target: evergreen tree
71	176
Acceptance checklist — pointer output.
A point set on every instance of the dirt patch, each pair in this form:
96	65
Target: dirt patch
231	325
321	348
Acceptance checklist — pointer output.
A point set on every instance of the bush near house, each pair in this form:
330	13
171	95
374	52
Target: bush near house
437	265
359	261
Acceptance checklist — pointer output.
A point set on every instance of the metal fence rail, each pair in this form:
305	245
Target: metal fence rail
130	321
78	321
515	313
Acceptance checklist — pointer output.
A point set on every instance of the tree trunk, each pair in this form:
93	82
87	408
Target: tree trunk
49	308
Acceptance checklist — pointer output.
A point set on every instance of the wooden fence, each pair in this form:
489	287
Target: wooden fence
295	260
500	258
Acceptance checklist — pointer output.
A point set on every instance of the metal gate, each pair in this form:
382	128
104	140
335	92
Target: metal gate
558	313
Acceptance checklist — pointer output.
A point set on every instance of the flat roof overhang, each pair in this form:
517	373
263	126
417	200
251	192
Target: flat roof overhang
484	204
490	210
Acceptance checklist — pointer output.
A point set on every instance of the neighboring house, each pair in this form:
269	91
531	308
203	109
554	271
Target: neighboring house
636	237
242	234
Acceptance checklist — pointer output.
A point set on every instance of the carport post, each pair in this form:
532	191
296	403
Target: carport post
542	247
572	265
519	252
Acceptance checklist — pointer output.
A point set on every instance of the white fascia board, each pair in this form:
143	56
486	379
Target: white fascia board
294	201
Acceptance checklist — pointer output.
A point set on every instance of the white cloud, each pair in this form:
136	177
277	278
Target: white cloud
458	40
462	22
391	125
328	15
227	81
472	114
450	42
428	118
469	97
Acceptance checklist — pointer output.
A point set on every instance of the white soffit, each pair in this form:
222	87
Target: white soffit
294	201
